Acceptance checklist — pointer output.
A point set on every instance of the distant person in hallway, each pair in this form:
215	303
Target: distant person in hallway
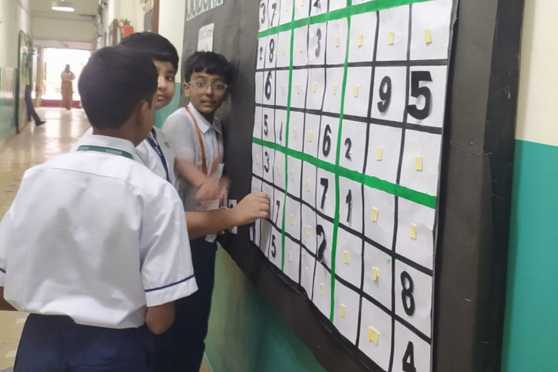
67	87
31	113
98	263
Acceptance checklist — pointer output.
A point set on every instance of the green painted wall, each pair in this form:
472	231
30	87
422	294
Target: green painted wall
7	102
162	114
532	304
245	333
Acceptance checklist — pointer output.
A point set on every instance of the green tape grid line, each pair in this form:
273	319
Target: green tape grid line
337	161
350	10
289	95
418	197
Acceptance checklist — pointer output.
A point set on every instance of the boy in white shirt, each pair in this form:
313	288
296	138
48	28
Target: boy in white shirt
157	154
197	138
100	261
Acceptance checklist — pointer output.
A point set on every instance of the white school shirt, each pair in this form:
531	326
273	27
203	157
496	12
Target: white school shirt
183	140
149	155
95	236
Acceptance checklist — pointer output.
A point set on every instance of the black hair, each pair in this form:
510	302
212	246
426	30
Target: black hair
157	46
210	63
113	82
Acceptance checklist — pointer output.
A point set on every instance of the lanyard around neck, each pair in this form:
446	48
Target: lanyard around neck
108	150
152	140
199	135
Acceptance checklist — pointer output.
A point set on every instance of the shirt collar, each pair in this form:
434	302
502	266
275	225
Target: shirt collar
203	123
111	142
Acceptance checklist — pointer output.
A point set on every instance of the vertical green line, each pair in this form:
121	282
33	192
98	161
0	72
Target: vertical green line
337	160
289	95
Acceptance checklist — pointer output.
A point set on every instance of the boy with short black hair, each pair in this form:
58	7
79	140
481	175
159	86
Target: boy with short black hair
158	155
197	138
107	251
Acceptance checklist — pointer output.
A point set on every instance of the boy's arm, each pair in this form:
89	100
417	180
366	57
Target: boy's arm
158	319
209	188
251	207
4	305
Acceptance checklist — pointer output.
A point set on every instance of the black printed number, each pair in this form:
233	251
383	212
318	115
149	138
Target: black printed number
317	4
416	91
385	94
319	42
407	293
348	147
277	207
273	12
271	50
262	13
268	86
266	125
323	244
349	201
273	246
325	183
409	359
266	163
326	145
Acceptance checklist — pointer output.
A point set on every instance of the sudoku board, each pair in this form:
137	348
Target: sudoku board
349	115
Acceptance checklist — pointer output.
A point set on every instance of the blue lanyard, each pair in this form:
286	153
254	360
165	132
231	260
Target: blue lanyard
155	144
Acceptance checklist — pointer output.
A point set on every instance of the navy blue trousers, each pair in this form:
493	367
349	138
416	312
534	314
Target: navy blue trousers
57	344
181	348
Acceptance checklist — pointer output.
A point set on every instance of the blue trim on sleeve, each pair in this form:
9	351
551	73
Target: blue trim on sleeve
169	285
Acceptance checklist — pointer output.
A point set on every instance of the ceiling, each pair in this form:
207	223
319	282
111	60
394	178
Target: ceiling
84	8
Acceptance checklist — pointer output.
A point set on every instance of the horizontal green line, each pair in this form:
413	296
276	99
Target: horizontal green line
404	192
370	6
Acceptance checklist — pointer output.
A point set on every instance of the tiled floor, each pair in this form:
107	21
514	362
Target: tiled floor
32	146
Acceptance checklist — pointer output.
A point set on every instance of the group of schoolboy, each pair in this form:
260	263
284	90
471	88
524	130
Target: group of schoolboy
116	264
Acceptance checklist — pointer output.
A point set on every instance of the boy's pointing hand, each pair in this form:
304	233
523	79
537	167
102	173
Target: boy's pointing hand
252	207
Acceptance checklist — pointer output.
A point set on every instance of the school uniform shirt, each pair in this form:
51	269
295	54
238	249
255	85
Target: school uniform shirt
95	235
180	133
150	155
157	155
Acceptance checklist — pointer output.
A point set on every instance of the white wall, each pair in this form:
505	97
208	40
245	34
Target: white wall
171	22
14	16
50	28
538	94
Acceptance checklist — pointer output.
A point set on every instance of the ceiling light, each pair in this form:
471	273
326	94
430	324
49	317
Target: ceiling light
62	6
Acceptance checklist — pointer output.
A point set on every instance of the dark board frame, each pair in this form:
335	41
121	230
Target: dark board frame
475	195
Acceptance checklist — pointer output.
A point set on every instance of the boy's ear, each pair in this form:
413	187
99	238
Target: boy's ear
186	88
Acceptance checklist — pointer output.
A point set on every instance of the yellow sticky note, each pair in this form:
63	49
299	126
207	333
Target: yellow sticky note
379	153
391	38
298	90
373	335
314	87
307	230
360	40
375	273
419	163
413	231
342	311
346	257
322	289
375	214
311	136
337	41
334	90
428	36
356	91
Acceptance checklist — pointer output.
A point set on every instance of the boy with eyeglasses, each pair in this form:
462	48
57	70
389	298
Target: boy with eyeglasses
197	138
